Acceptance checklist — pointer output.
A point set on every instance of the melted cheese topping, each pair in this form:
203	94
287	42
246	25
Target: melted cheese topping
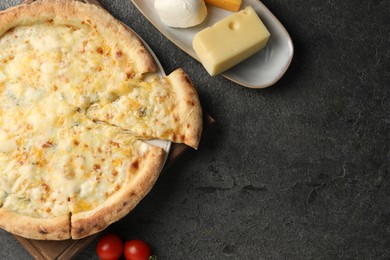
53	159
146	110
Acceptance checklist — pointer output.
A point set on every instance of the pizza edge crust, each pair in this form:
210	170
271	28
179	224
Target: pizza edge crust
189	109
123	201
57	228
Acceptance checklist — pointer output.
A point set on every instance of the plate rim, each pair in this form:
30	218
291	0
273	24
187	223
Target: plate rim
258	5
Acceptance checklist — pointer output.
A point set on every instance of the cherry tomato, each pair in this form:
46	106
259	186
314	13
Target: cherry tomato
109	247
137	250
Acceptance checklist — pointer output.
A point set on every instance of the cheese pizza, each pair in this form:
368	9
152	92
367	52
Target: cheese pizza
79	99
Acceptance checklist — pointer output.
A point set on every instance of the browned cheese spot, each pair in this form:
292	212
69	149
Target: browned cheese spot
130	75
84	44
135	165
100	50
47	144
72	27
46	187
114	144
23	158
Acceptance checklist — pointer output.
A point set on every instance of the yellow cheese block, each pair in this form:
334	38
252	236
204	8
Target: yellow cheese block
231	5
230	41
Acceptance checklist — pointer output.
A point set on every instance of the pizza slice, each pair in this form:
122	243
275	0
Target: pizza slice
113	170
166	108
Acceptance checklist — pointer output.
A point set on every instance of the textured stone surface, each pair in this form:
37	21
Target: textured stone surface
296	171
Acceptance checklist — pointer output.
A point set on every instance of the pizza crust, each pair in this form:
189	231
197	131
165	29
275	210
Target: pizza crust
57	228
147	170
189	109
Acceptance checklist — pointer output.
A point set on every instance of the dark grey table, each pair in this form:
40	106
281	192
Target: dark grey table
296	171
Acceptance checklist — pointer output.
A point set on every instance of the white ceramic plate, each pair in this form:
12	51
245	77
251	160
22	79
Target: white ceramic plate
259	71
